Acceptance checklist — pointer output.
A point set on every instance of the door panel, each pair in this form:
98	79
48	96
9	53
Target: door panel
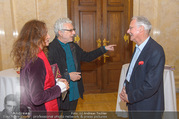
115	2
114	19
87	2
88	36
102	19
88	30
88	22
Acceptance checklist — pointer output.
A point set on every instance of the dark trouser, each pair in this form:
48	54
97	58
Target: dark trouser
68	114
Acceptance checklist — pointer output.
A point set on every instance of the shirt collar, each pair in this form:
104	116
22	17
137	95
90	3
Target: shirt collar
141	46
63	44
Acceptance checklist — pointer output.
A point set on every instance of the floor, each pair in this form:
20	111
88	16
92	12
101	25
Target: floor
98	102
103	106
103	102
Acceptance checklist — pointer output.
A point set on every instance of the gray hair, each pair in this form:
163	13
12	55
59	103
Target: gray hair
143	21
59	24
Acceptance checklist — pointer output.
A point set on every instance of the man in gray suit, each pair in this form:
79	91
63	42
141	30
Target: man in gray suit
143	88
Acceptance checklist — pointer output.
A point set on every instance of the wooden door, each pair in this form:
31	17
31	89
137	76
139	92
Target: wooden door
98	20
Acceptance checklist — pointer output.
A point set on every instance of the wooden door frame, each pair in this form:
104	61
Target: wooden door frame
127	17
69	10
130	15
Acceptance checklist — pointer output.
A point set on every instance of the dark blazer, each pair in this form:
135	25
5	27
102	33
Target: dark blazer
145	89
56	54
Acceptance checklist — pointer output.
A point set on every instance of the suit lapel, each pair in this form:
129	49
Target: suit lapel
61	51
73	50
131	60
142	54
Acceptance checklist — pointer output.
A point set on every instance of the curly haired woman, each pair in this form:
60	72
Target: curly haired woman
39	91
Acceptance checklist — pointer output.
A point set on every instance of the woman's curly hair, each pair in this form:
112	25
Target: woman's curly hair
26	47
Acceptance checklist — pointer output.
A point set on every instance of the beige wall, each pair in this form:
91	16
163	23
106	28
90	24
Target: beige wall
13	15
164	16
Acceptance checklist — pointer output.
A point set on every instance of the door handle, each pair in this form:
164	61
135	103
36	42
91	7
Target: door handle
77	39
105	56
99	45
126	38
105	44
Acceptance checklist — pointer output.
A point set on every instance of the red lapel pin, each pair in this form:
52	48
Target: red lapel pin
141	62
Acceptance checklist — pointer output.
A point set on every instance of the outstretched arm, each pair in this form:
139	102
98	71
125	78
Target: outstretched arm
110	47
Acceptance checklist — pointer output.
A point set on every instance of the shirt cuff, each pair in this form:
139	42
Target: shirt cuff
105	48
62	86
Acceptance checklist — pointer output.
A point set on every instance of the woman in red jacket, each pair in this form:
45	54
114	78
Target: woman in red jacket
39	91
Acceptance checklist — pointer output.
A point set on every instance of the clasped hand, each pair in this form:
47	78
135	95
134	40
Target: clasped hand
123	95
63	84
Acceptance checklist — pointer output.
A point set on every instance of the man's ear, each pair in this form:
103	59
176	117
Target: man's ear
141	28
60	33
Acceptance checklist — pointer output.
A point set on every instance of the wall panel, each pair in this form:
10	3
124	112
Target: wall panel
164	15
15	13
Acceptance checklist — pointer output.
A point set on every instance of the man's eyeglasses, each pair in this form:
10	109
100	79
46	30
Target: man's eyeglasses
70	30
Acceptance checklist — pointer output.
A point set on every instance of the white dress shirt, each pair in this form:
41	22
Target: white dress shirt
135	57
